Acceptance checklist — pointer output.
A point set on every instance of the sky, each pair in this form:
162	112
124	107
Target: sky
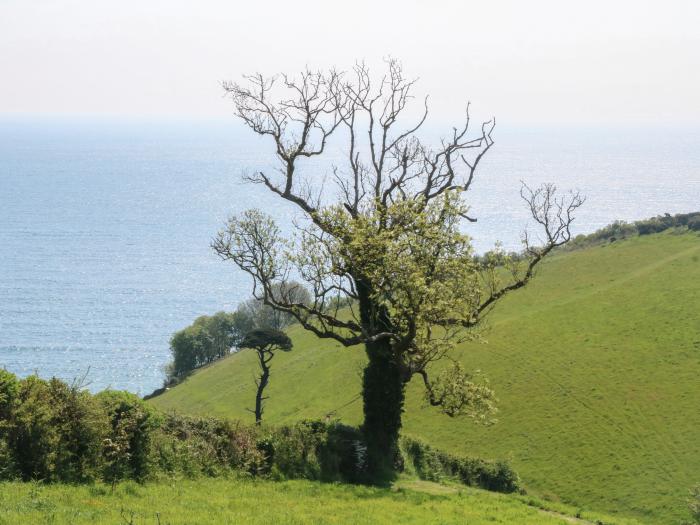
595	62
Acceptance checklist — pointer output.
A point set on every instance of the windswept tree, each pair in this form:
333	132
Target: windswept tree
265	342
389	240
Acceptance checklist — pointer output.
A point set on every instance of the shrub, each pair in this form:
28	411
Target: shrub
435	465
694	223
318	450
9	389
295	451
343	455
620	229
127	447
8	468
31	435
209	446
82	426
54	432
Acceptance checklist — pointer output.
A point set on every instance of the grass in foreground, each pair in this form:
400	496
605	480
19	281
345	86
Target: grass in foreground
221	501
595	363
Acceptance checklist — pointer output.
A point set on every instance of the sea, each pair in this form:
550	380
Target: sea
106	224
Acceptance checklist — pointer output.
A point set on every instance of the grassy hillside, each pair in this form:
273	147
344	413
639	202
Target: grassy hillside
596	364
221	501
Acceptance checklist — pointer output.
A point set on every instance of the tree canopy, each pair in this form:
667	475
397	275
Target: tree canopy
266	338
208	338
389	242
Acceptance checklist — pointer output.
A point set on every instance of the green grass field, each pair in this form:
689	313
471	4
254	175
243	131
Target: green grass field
219	501
596	365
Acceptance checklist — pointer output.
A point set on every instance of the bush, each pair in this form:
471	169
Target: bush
295	451
694	223
54	432
127	446
621	230
435	465
82	425
209	446
9	389
314	450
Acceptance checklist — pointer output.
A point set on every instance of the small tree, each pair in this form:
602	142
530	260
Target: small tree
265	342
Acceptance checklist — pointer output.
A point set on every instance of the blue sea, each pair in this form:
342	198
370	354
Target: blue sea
105	225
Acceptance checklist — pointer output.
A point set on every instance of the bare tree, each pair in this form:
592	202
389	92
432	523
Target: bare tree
385	260
264	316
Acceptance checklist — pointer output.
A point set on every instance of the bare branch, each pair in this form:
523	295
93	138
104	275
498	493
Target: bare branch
555	215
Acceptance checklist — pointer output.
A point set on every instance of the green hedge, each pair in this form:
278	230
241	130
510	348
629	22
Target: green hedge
53	431
621	230
436	465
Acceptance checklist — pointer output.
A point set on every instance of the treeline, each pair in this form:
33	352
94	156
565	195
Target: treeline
55	432
615	231
210	338
621	230
207	339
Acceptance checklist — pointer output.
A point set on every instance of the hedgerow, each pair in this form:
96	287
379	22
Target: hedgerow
619	230
55	432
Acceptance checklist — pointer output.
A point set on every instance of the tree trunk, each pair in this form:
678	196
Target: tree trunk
382	391
262	383
383	399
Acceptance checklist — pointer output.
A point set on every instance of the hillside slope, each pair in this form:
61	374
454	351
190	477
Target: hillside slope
596	365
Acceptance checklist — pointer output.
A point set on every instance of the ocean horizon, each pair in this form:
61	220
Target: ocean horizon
105	224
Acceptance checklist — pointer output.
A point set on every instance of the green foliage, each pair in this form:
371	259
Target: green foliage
81	424
619	230
293	452
595	365
263	338
9	390
189	348
207	339
210	338
418	284
127	447
419	267
52	431
435	465
460	393
206	446
694	223
314	450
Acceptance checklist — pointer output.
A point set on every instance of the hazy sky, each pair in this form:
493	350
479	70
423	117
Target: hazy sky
609	61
